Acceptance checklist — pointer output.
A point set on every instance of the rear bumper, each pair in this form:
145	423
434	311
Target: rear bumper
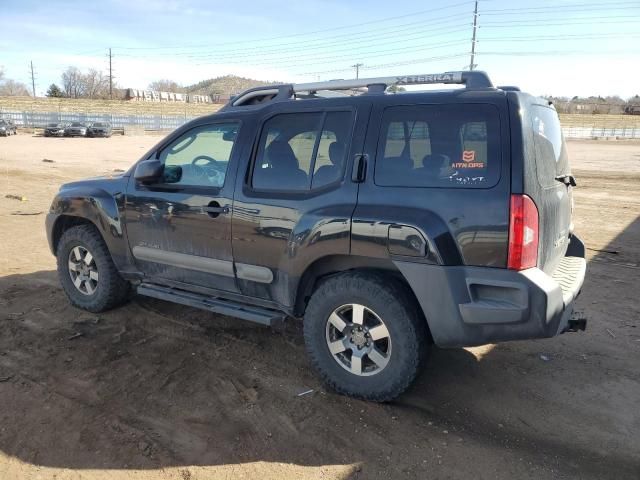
466	306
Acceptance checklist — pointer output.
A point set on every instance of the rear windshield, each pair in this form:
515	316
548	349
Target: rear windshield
98	124
54	125
551	151
77	125
439	146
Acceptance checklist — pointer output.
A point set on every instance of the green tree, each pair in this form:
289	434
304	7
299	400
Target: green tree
55	91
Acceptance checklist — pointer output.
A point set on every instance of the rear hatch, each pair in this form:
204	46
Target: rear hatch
548	182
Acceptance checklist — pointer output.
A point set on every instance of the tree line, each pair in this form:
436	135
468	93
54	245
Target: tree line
90	84
9	87
596	105
93	83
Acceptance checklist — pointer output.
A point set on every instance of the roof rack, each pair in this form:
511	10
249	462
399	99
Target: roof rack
269	93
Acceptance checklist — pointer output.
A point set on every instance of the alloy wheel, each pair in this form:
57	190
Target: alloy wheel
358	339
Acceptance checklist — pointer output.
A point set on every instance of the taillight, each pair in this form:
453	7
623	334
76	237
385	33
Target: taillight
523	233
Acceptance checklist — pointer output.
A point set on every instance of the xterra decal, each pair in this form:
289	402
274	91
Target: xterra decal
431	78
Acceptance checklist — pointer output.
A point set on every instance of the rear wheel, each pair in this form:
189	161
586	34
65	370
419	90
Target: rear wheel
86	271
364	335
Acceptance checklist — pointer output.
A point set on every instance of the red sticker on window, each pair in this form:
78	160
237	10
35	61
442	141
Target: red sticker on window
468	160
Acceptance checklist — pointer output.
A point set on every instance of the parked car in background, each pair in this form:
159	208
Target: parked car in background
54	130
76	129
99	129
7	127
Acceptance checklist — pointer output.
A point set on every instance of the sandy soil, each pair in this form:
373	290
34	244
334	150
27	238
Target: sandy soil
155	390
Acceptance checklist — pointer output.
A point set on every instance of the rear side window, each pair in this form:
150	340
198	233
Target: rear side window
551	151
302	151
439	146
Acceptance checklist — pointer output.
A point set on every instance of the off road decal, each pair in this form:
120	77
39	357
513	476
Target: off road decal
468	156
468	160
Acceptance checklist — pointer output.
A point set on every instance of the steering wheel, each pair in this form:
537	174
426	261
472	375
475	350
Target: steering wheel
201	164
208	167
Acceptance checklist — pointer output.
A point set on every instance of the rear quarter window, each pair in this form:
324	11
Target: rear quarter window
551	151
439	146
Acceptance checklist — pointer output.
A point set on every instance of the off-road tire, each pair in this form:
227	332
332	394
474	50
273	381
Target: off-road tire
111	291
393	303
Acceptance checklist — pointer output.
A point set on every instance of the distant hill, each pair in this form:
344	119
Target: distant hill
227	85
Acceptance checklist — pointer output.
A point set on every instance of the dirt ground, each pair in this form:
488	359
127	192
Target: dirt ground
155	390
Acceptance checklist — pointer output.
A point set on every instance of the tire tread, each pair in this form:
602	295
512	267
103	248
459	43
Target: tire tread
395	294
117	288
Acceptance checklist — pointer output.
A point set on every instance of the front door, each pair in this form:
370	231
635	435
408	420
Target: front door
179	229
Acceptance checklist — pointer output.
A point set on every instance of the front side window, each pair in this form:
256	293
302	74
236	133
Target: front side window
200	157
302	151
439	146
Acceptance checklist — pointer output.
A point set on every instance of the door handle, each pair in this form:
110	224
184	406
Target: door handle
359	172
214	209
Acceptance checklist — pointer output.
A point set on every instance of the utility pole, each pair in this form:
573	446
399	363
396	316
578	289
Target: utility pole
473	39
33	80
357	67
111	77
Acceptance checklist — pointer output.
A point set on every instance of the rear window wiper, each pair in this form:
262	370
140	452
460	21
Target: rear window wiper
567	179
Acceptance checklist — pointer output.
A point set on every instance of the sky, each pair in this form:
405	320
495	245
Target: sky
562	48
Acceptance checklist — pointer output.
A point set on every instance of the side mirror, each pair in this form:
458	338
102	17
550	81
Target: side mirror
149	171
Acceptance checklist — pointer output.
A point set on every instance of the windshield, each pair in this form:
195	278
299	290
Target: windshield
53	125
77	125
98	124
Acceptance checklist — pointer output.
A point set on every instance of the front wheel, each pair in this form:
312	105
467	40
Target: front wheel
87	272
365	335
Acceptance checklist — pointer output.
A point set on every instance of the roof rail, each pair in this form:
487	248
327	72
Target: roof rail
267	93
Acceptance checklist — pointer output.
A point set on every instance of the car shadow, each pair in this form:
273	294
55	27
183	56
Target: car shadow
154	385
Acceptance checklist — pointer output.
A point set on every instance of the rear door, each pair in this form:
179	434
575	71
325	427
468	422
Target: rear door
548	183
294	198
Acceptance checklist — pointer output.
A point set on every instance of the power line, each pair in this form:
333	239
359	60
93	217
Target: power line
342	39
343	44
429	21
333	58
594	36
545	22
394	64
386	19
556	7
559	52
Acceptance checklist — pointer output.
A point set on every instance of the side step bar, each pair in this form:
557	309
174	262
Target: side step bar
212	304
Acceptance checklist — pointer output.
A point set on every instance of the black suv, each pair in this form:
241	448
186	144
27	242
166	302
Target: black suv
54	130
388	222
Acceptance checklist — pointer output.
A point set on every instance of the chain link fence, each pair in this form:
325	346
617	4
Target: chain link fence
572	128
28	119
